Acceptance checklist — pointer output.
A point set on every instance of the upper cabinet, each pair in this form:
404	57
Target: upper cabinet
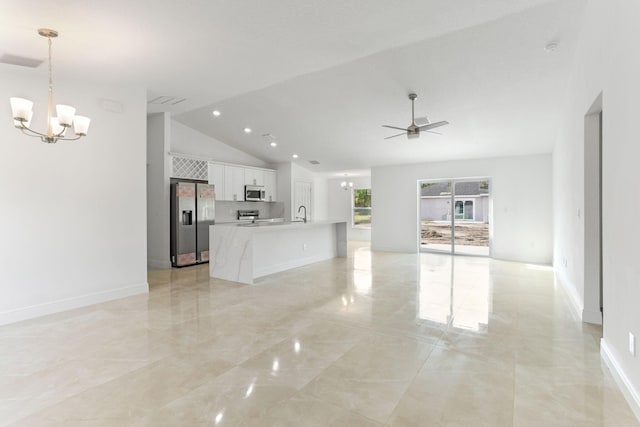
231	179
234	183
253	176
270	186
216	178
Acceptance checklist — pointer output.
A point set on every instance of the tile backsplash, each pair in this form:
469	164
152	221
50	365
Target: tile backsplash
228	211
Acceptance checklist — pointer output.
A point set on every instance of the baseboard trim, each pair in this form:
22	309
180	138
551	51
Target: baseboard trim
43	309
572	293
158	264
626	386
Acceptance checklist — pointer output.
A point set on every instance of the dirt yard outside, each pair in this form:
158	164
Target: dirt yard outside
467	233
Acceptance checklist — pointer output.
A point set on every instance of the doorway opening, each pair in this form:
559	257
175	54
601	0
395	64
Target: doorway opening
454	216
593	283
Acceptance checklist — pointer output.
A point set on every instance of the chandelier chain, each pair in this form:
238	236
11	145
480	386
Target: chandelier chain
50	69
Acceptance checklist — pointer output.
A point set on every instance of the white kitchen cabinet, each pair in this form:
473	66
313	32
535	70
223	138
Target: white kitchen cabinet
253	176
234	183
270	186
216	177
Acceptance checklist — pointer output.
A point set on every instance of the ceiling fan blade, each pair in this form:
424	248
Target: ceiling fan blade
400	134
432	131
394	127
433	125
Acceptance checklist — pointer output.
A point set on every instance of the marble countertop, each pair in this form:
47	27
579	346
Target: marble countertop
278	225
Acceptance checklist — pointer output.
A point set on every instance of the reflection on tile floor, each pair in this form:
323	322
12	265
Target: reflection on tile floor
374	339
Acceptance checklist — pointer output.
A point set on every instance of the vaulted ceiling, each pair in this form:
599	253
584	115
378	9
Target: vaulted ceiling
322	76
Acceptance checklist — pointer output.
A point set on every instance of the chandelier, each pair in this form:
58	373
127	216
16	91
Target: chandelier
346	185
22	110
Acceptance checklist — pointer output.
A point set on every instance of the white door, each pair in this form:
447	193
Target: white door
302	197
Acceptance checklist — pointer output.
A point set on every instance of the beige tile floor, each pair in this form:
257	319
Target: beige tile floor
374	339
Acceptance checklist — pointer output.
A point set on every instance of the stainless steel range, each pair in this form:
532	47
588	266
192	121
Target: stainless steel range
248	215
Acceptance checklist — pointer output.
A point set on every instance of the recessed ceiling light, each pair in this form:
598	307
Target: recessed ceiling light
551	46
273	144
216	113
247	130
295	156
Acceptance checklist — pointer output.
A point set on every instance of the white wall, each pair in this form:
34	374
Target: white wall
521	193
186	140
73	215
158	173
606	61
341	203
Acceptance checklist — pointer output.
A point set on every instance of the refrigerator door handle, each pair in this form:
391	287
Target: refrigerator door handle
187	217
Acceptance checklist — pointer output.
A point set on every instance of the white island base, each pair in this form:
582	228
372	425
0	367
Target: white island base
242	253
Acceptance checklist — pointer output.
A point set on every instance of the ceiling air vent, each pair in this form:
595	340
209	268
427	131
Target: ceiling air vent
166	100
21	61
314	162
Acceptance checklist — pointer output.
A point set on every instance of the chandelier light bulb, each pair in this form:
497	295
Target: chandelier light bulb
81	125
57	129
21	108
65	114
26	123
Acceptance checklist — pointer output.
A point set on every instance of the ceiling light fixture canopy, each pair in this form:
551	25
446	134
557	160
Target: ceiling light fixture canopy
22	111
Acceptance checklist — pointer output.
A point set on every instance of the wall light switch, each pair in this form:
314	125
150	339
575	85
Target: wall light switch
304	246
632	344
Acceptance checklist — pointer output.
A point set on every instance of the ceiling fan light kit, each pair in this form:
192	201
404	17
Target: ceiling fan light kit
413	131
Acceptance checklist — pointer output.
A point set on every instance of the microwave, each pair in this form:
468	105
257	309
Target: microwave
254	193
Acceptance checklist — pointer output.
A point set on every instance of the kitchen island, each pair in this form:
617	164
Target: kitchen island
244	252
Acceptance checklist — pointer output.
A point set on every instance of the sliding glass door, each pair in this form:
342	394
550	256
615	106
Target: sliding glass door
436	216
455	216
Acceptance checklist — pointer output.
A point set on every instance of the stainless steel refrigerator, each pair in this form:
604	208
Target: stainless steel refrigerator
193	210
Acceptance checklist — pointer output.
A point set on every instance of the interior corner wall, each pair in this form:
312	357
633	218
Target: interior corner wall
520	194
606	62
158	175
340	205
73	215
285	188
320	198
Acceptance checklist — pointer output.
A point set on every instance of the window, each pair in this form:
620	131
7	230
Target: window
464	209
362	208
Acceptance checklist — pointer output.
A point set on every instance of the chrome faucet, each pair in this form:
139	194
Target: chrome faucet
305	213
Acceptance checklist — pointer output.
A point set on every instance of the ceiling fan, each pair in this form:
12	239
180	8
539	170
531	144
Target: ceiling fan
413	131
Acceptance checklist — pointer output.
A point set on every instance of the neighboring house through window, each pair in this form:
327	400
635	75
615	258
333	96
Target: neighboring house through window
362	208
